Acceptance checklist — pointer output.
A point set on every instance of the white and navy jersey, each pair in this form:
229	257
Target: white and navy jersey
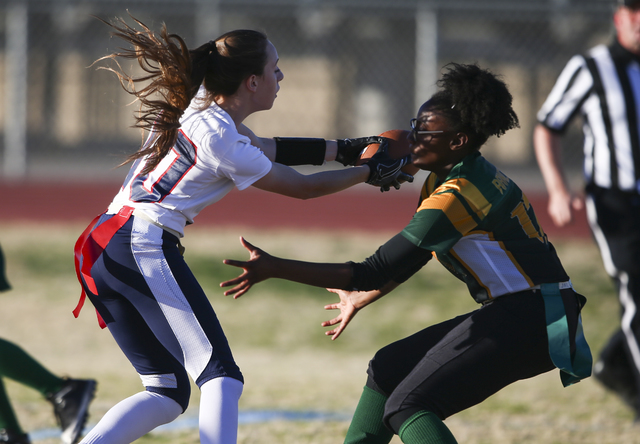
209	159
604	87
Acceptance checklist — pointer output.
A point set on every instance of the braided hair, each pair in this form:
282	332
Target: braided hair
475	102
173	75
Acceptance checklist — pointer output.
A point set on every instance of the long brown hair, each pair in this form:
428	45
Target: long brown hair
174	74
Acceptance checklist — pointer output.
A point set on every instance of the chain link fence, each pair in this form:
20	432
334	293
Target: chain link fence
352	68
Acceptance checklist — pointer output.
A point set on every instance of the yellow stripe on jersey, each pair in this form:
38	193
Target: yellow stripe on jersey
516	264
471	194
428	186
449	204
470	270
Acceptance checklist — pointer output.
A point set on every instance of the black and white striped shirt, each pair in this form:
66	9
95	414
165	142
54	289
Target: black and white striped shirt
603	86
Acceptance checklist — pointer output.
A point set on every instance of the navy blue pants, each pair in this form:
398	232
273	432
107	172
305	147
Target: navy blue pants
158	313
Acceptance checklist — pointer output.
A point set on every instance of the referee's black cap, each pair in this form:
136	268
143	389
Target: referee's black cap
628	3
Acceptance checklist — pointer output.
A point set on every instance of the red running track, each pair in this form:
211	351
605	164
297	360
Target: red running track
356	209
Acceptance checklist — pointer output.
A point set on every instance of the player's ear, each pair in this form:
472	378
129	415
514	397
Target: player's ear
251	83
459	141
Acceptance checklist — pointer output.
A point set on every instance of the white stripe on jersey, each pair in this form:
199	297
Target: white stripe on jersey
600	163
492	266
618	114
566	95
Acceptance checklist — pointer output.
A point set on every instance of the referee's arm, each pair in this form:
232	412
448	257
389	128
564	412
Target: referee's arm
562	202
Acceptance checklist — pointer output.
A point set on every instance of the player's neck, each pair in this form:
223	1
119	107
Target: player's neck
235	107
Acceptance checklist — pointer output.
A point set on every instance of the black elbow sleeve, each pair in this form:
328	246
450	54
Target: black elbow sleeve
397	260
293	151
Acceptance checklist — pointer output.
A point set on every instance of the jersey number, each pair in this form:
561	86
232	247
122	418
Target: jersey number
521	212
156	185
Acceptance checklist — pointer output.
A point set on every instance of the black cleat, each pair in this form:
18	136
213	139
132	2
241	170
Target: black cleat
10	437
71	407
619	380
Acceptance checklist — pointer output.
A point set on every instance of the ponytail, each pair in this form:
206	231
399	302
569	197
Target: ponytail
203	59
174	74
165	60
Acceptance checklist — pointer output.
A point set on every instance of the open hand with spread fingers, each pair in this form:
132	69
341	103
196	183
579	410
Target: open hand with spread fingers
256	269
347	311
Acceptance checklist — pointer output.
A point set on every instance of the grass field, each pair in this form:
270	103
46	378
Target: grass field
278	342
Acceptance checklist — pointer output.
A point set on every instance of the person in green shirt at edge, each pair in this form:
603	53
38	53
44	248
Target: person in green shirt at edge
70	398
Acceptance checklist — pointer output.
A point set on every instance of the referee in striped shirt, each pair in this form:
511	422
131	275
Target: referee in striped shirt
604	87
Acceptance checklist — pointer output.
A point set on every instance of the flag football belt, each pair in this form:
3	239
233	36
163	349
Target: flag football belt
572	368
88	249
561	285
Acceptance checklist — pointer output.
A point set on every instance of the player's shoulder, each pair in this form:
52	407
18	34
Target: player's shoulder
579	60
477	177
213	129
599	52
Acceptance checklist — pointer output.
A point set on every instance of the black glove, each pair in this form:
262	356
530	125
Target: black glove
350	149
387	172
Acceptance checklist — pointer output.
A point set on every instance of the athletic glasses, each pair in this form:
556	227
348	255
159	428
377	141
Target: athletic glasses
426	136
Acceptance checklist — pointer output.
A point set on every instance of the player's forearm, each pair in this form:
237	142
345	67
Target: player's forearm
361	299
270	148
549	156
288	182
329	182
325	275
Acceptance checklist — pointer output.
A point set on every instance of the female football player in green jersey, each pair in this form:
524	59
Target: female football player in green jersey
482	228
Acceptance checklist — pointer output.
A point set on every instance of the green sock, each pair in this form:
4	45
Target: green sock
366	425
8	419
16	364
425	427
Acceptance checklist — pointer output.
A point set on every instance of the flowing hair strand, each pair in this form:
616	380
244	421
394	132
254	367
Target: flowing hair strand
164	90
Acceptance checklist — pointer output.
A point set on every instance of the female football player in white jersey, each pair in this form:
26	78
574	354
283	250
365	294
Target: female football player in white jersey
193	103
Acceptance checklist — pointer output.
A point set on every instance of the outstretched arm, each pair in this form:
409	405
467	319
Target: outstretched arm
289	182
380	170
393	263
548	150
261	266
268	145
286	150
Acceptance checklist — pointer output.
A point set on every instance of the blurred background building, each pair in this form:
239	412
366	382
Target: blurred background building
352	68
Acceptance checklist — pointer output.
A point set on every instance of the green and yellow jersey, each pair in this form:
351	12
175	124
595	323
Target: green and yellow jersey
482	228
